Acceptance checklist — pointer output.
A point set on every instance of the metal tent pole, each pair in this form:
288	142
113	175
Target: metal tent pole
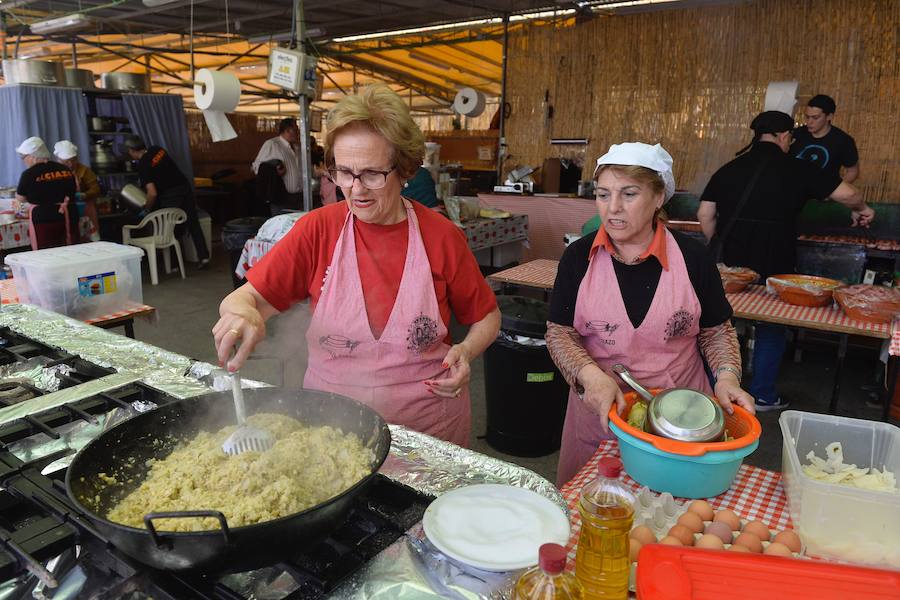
501	146
305	166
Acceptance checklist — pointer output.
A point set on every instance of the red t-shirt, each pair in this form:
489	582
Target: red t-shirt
294	269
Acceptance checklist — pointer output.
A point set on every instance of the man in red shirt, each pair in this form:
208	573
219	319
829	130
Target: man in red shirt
383	275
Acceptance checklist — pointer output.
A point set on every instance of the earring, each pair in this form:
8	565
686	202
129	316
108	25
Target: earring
405	184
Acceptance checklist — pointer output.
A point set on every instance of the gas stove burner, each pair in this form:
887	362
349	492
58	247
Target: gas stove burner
15	390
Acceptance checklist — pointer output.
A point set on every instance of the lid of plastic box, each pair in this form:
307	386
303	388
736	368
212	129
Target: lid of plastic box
679	573
65	257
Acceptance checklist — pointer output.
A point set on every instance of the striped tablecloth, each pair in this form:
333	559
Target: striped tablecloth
754	494
894	349
756	304
540	273
10	295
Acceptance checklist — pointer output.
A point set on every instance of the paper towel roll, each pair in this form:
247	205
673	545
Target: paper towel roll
469	103
781	95
215	93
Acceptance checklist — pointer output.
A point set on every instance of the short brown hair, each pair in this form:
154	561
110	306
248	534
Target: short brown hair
380	109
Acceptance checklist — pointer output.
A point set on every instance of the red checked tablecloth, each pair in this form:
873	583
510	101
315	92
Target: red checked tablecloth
756	304
540	273
894	349
754	494
10	295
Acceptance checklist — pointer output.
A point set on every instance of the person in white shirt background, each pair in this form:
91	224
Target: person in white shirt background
284	148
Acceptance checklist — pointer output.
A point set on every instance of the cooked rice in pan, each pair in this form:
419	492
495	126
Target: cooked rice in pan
307	466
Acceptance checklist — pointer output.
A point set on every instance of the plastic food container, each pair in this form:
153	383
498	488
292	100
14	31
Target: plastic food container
736	279
676	573
803	290
83	281
685	469
869	303
839	521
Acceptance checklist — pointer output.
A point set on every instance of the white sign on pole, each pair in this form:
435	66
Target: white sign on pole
285	68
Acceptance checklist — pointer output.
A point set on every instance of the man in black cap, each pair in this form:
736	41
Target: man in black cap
167	187
823	144
749	212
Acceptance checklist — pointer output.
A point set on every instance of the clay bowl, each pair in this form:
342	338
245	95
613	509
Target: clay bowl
869	303
804	290
736	279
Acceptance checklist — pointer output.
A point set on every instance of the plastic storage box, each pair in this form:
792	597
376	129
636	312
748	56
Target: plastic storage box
839	521
83	281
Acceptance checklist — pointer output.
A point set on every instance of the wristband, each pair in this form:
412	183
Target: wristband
736	372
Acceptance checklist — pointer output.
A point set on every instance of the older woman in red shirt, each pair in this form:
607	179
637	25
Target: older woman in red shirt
383	275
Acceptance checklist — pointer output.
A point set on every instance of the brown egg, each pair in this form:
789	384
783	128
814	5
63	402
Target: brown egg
729	518
723	530
776	549
682	533
710	541
749	541
739	548
634	547
671	541
643	534
702	508
789	539
759	529
692	521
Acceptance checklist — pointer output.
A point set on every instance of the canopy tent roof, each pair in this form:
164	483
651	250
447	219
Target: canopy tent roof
426	50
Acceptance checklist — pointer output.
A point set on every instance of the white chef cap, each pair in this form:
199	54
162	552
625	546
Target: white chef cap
65	150
33	145
638	154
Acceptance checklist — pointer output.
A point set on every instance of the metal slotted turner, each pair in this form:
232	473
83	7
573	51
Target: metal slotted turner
245	438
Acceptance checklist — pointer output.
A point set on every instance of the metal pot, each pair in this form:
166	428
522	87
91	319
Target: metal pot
80	78
103	124
125	449
41	72
126	82
134	196
679	414
103	159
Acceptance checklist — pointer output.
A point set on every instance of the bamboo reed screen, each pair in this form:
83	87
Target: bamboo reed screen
692	79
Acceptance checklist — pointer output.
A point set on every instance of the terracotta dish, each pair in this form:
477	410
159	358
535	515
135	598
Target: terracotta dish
736	279
869	303
804	290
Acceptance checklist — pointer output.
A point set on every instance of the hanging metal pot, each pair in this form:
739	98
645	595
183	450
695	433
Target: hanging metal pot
80	78
40	72
126	82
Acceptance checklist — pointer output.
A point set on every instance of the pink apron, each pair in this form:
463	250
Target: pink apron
387	373
661	353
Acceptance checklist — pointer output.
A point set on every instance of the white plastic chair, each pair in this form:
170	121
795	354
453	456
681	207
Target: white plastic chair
163	221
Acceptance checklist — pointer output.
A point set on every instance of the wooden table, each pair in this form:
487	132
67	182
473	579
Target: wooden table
123	318
756	305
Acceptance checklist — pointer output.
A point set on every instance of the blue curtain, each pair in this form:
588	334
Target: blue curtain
52	113
159	119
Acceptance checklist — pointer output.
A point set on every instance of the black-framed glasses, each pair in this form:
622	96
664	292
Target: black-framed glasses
371	179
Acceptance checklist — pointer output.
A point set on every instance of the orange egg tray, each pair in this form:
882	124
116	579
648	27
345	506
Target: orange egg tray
742	426
804	290
679	573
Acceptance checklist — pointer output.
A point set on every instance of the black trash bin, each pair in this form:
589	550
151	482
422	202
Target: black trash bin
235	234
525	393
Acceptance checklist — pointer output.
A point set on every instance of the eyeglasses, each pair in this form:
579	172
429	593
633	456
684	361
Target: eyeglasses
372	180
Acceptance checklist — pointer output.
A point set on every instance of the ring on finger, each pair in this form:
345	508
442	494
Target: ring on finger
235	332
457	392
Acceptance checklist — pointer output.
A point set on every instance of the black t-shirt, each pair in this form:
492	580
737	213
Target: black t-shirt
158	168
46	185
638	282
830	152
764	237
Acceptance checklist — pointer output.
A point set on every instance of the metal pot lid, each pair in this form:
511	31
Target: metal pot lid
687	415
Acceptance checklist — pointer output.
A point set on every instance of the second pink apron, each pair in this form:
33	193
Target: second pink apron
387	373
661	353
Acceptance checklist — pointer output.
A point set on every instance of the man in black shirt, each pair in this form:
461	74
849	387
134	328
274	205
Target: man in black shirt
45	184
823	144
749	210
167	187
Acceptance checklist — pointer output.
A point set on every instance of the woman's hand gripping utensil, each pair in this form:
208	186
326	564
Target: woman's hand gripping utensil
245	438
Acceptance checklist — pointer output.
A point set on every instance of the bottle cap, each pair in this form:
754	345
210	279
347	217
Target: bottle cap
552	558
609	466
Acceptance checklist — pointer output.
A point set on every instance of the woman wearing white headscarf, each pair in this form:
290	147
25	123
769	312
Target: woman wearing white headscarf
638	294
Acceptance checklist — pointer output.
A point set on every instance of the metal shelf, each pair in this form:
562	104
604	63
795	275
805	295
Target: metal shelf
110	132
117	174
